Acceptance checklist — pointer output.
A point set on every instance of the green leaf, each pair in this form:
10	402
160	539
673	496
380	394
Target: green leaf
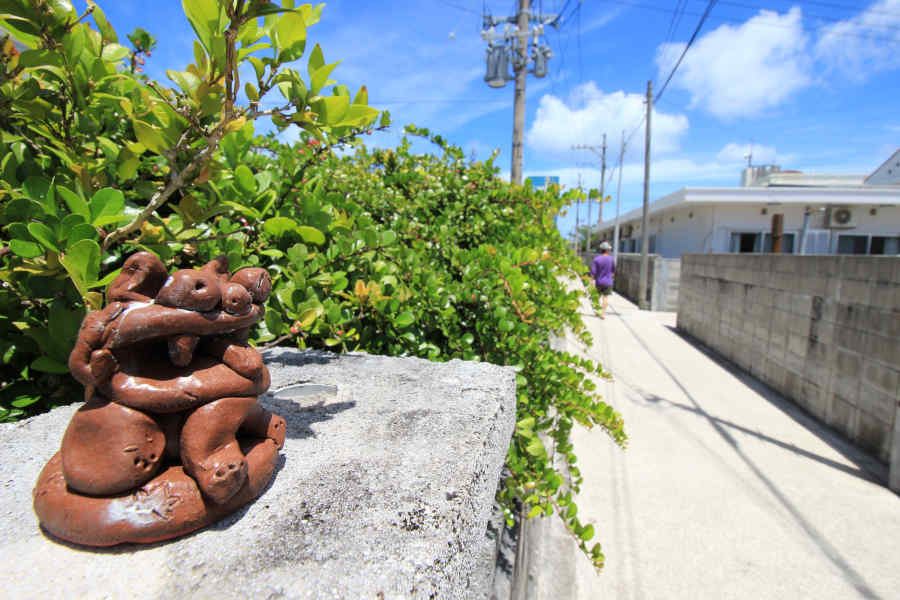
404	319
82	261
289	36
536	448
25	248
150	136
316	59
252	93
311	235
587	533
187	81
128	167
279	226
309	315
82	231
23	401
208	18
245	180
114	52
362	96
535	511
44	235
105	203
106	30
259	66
319	78
357	116
49	365
331	109
38	189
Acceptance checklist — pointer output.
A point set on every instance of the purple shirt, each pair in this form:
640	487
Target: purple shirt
603	268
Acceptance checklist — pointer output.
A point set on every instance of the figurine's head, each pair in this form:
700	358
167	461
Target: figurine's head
191	289
141	277
236	299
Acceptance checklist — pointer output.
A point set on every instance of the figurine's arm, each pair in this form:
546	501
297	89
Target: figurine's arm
154	321
89	362
234	351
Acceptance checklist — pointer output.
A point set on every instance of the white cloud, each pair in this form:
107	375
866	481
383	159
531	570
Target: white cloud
588	113
743	70
864	44
737	153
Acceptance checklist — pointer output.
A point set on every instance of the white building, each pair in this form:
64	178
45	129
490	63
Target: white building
846	214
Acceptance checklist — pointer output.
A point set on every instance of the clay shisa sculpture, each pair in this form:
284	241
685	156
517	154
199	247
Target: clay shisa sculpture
171	437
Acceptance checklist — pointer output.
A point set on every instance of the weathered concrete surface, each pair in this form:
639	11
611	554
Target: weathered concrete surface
385	490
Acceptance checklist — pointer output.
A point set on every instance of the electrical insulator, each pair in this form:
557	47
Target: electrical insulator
497	66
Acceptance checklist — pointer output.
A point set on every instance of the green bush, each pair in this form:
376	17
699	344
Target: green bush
384	251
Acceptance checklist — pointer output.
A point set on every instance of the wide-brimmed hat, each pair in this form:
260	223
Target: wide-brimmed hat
605	246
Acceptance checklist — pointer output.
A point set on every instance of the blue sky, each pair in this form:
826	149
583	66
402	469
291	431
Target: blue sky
811	85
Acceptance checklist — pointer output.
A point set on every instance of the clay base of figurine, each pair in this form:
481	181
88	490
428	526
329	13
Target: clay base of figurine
168	506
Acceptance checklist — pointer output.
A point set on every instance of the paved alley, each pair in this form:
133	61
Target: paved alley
726	490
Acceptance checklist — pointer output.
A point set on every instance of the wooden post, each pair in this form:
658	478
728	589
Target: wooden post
777	232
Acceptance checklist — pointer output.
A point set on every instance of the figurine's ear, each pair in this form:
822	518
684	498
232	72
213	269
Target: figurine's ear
256	280
219	267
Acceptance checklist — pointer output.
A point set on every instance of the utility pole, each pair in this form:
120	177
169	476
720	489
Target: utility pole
577	217
519	96
602	155
618	201
645	259
515	45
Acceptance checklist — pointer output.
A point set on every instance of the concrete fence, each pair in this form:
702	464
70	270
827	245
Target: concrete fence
663	280
822	330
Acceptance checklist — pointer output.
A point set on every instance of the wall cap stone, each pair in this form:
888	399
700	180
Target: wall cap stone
384	491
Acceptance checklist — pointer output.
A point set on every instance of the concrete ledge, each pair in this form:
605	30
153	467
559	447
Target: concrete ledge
385	491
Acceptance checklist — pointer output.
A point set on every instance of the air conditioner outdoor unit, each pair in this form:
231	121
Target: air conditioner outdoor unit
839	217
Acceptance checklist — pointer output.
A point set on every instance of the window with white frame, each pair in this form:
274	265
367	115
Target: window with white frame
854	243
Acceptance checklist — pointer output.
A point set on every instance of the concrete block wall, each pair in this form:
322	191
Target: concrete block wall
663	281
823	330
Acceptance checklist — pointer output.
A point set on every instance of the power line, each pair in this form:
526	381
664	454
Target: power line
676	19
709	8
457	6
811	15
742	21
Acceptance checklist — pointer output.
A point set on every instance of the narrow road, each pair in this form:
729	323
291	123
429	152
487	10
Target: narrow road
726	490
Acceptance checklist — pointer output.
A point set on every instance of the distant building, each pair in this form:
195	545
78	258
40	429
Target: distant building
542	182
843	214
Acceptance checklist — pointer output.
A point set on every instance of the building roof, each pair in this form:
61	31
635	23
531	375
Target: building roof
773	195
888	173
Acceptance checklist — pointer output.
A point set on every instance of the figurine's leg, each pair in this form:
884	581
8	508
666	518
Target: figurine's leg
209	451
109	448
261	423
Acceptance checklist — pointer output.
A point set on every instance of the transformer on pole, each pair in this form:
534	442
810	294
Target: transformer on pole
511	48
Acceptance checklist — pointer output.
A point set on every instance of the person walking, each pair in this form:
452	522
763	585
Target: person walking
603	269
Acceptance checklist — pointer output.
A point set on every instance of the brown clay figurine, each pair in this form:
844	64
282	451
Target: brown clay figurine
171	437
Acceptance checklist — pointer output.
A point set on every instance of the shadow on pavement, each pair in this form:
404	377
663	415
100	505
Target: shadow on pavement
875	471
830	552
